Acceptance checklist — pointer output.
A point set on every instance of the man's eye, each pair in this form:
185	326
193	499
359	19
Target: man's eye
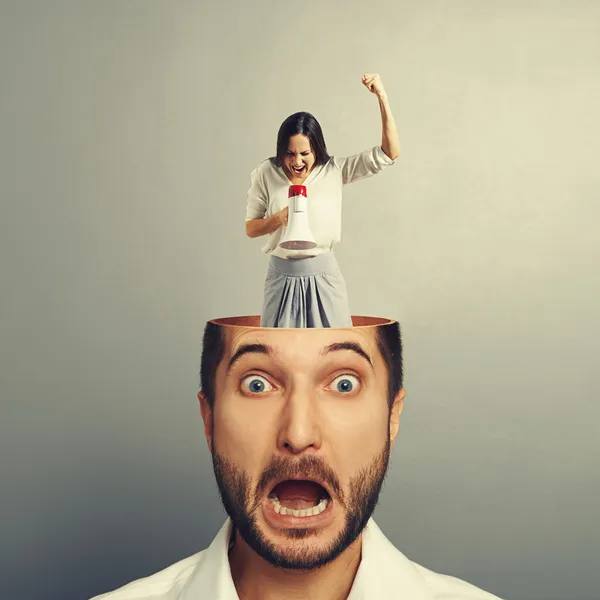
345	384
255	384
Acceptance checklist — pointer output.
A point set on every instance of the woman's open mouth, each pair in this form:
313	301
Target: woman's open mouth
296	502
298	170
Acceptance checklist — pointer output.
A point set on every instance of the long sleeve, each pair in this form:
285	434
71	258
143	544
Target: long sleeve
257	199
365	164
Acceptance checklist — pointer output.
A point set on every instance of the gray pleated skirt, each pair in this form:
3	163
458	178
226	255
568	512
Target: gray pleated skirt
305	292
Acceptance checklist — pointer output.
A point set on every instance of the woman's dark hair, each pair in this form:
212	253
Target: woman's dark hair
389	342
306	124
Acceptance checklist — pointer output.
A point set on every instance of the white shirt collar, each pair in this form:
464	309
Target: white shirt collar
383	570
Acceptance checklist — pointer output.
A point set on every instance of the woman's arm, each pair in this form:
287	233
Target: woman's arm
257	205
390	143
259	227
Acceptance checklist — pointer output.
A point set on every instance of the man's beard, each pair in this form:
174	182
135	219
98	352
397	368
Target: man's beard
242	505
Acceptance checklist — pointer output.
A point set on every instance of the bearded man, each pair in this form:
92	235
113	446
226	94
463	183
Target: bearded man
300	424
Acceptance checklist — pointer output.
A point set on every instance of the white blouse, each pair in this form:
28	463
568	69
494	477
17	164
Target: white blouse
268	194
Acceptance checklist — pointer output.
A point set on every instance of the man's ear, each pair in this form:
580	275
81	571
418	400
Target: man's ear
207	417
395	413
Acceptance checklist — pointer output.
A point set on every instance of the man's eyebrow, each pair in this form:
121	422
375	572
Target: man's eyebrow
248	349
352	346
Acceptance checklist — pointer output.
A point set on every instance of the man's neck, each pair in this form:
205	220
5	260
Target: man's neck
256	579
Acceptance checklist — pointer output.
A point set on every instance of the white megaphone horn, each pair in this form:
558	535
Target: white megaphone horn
297	235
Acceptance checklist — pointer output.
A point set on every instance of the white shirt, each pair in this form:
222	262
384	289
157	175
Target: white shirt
268	194
384	573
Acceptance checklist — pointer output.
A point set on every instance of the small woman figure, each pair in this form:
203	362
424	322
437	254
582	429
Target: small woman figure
305	288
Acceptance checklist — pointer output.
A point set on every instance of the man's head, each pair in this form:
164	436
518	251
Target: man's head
300	423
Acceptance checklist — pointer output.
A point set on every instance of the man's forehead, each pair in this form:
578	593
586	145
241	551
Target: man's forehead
289	342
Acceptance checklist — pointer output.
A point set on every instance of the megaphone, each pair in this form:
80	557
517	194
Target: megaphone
297	235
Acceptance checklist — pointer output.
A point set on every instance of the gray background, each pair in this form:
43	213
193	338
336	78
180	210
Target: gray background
129	130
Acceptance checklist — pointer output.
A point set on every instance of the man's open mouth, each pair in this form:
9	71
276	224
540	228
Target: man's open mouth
299	498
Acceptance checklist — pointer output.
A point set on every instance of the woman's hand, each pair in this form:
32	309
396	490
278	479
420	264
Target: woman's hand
260	226
283	216
373	83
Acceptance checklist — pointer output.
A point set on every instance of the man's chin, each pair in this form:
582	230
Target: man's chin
297	543
298	549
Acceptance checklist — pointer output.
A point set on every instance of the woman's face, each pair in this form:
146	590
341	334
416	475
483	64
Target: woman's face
299	158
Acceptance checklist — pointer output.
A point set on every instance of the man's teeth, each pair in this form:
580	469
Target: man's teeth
305	512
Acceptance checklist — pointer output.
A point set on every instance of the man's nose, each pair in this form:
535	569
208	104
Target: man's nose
300	429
